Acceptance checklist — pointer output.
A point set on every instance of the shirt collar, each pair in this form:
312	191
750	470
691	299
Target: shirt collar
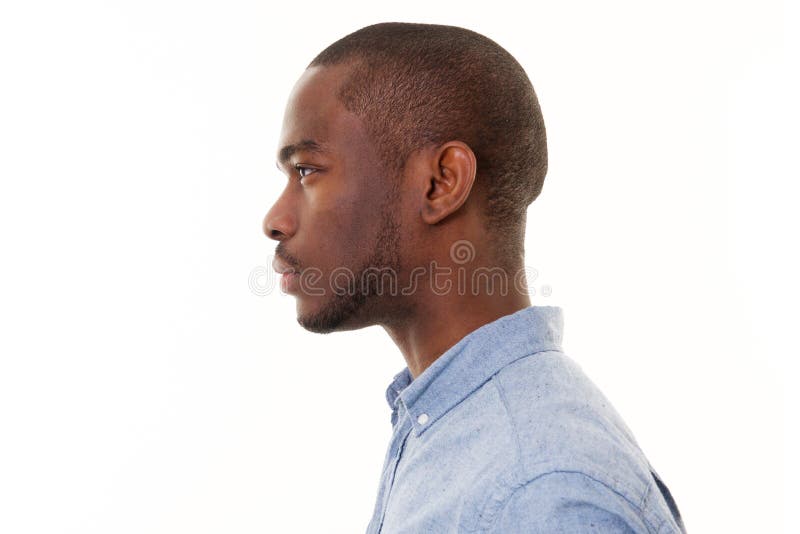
477	357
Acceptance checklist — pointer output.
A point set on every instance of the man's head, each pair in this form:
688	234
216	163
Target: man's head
413	135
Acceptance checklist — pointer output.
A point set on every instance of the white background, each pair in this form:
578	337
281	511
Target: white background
145	388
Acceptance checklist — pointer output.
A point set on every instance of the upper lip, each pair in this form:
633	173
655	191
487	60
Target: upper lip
281	267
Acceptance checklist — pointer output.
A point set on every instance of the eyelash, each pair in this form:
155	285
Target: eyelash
300	168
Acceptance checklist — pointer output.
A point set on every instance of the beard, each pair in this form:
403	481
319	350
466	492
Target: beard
341	311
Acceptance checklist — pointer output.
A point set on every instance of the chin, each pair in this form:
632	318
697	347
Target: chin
337	313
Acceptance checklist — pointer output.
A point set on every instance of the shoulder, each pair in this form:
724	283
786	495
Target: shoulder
572	501
555	410
576	463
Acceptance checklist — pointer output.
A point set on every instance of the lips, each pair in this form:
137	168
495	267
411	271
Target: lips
290	275
281	267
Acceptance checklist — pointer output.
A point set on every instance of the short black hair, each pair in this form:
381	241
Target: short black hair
420	84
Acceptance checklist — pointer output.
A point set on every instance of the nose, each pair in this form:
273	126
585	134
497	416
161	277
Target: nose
280	222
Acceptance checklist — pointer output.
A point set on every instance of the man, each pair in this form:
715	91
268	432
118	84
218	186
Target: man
413	152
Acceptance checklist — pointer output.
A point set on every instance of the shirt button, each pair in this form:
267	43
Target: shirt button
422	419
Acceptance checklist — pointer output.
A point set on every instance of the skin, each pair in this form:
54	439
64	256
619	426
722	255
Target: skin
348	213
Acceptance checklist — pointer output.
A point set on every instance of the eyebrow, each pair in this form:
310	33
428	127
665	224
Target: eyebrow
307	145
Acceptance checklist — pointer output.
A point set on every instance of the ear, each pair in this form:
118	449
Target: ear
451	170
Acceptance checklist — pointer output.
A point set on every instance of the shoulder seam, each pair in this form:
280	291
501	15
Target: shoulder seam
496	380
514	492
502	394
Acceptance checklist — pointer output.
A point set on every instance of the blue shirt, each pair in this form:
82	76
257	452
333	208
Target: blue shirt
504	433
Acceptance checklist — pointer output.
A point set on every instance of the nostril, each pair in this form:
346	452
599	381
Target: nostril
279	226
269	228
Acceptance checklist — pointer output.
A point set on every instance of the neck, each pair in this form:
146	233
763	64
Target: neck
438	322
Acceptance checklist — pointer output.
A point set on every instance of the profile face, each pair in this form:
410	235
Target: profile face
334	218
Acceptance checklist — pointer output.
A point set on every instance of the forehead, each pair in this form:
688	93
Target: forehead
314	113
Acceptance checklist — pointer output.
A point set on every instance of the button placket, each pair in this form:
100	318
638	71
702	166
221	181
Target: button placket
390	472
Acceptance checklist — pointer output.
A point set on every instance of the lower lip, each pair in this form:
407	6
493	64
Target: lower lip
289	281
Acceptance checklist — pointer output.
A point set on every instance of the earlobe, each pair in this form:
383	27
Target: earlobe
454	167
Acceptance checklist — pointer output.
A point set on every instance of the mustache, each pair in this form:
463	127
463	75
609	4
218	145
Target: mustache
291	260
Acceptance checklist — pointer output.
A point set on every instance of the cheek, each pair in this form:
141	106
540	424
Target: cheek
341	229
362	195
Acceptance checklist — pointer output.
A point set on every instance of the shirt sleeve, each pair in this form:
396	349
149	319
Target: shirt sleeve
568	502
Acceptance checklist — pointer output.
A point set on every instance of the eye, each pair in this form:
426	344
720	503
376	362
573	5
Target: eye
304	171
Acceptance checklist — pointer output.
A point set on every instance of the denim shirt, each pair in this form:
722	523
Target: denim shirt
504	433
